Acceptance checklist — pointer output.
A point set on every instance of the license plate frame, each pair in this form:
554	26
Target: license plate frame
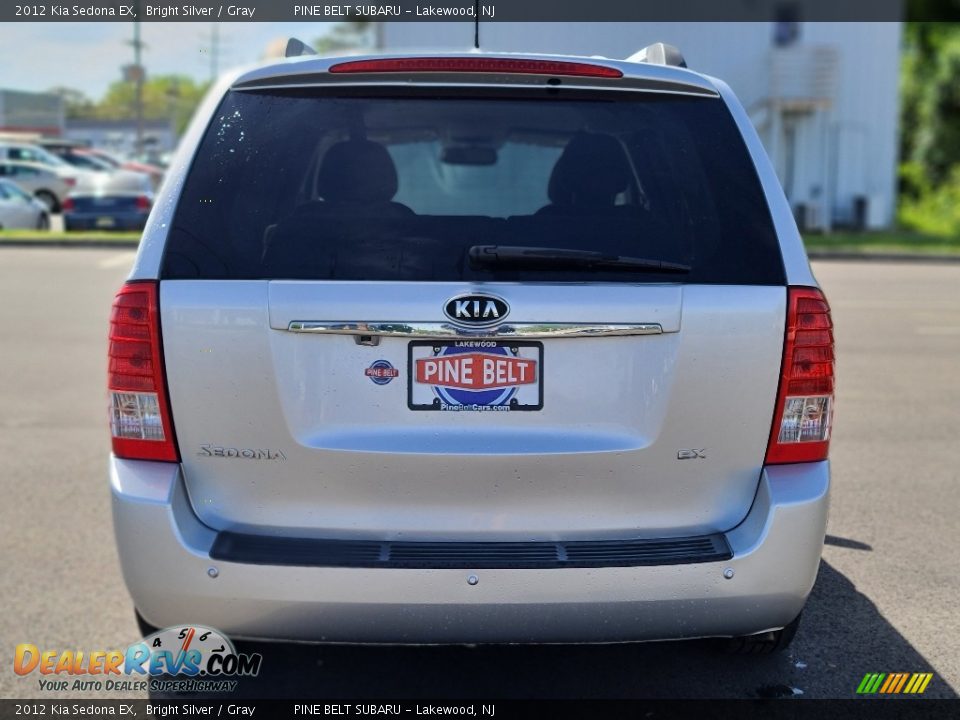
526	396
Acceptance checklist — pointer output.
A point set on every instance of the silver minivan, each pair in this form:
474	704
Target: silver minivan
472	348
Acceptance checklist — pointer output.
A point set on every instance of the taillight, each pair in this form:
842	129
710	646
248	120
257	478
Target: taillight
804	410
67	205
476	65
140	422
143	203
70	181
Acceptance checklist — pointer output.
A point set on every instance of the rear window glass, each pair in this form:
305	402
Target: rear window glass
304	185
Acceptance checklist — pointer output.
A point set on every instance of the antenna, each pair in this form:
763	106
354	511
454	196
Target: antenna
296	48
476	24
659	54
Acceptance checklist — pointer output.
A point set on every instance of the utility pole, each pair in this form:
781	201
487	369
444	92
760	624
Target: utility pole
214	51
138	78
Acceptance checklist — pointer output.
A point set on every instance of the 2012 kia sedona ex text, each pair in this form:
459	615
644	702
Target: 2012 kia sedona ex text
473	348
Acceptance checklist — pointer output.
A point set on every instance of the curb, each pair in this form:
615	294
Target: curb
883	257
26	242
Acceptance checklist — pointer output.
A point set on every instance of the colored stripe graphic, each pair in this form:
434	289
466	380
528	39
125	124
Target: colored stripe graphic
903	681
892	679
894	683
918	683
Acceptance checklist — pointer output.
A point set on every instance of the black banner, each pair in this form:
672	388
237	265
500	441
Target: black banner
901	709
485	10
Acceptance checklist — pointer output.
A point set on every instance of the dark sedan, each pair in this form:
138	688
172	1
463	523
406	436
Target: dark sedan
118	201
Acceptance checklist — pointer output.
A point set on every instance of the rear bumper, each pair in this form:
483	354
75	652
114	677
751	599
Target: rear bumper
165	556
93	221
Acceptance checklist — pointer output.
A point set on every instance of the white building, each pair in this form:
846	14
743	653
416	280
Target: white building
823	96
120	136
31	113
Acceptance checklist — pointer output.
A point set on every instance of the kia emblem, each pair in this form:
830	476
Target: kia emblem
476	309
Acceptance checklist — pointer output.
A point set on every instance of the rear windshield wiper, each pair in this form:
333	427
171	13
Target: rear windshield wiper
562	258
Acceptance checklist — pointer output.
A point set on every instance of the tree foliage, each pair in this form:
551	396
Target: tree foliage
75	103
173	97
930	128
930	97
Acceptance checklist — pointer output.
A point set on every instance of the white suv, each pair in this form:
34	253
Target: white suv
473	348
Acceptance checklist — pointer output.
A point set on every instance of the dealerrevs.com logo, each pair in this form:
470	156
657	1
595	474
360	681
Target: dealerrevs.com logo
189	658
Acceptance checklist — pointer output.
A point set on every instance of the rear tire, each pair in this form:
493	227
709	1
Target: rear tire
146	629
48	199
43	222
766	643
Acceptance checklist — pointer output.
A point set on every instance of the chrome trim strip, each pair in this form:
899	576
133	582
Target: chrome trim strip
449	331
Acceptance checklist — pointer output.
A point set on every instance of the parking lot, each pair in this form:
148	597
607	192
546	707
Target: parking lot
885	600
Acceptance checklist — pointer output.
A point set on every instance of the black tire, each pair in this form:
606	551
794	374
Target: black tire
766	643
146	629
48	199
43	222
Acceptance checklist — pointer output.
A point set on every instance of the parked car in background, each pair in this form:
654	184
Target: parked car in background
118	201
81	156
154	158
85	161
154	172
59	145
27	152
48	183
19	210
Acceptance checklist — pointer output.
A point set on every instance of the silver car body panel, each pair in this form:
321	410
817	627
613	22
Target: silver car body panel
19	209
42	178
600	458
165	556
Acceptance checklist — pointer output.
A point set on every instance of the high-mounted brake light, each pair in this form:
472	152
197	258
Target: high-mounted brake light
140	421
476	65
804	409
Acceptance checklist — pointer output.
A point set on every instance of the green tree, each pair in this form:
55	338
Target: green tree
165	96
930	93
935	118
76	104
930	122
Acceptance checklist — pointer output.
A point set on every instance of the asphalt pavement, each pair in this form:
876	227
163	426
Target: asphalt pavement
885	600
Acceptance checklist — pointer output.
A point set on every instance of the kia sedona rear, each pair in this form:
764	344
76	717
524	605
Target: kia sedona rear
472	349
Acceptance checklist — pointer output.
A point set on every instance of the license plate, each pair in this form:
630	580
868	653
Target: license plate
105	222
475	375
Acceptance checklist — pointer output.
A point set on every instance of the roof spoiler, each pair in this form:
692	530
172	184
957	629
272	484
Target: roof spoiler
659	54
296	48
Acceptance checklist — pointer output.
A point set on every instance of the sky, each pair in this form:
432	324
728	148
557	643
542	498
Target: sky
88	56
